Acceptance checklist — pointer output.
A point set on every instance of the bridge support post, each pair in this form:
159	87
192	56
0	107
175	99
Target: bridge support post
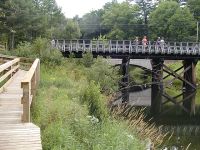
157	86
125	79
189	90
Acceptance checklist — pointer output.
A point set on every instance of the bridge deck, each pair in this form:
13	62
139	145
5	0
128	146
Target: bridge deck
13	133
119	49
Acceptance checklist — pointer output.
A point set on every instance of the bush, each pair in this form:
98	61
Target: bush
95	102
103	74
87	59
40	48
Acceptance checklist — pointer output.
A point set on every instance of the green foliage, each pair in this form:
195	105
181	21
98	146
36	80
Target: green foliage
40	48
117	19
43	49
64	120
71	30
95	102
194	6
181	24
87	59
101	38
90	24
103	74
29	19
24	49
146	7
172	22
158	21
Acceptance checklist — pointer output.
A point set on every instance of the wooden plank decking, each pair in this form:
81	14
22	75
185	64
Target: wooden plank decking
15	135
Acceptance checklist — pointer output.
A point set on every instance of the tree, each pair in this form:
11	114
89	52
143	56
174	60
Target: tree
181	25
5	10
194	6
71	30
120	19
158	19
171	21
90	24
146	6
24	20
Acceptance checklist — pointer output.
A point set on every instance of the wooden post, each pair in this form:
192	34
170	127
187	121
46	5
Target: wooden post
125	79
157	86
38	74
29	85
26	101
33	85
188	90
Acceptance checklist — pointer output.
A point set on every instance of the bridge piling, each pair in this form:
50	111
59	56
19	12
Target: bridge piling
157	86
189	92
125	79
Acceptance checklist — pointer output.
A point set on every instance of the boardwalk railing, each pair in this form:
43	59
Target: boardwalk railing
7	70
2	47
127	46
29	85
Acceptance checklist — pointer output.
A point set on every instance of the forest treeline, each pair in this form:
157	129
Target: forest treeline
25	20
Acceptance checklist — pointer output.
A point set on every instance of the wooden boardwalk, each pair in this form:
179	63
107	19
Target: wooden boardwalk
14	134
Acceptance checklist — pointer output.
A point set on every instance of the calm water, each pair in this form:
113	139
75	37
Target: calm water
186	128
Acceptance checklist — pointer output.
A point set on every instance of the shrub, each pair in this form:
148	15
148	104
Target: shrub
47	54
40	48
87	59
95	101
24	49
103	74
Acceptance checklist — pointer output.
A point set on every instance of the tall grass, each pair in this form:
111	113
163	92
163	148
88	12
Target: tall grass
63	109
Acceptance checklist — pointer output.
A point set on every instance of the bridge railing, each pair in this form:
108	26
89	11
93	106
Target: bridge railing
29	85
7	70
127	46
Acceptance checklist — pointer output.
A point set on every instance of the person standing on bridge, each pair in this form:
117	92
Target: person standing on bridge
144	41
157	44
136	41
162	43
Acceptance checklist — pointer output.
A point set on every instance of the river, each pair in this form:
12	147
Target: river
185	128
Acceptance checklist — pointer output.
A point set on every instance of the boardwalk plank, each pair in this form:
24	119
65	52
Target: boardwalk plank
13	133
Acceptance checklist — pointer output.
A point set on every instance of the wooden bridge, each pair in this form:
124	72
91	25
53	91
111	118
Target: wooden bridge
126	50
133	50
18	89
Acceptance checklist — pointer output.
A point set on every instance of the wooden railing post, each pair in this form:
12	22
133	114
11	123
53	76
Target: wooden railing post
33	85
29	85
38	74
26	101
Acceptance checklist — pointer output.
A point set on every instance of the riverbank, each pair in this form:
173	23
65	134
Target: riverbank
66	121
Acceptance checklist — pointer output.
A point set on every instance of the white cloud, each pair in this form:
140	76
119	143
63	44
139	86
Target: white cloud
79	7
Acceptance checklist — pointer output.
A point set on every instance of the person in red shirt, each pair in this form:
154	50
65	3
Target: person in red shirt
144	41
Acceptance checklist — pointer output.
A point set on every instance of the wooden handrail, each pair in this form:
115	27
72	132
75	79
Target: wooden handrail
8	64
7	71
31	71
29	85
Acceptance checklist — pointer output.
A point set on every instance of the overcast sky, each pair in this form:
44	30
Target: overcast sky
79	7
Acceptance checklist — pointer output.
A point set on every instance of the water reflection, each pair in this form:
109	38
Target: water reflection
185	126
